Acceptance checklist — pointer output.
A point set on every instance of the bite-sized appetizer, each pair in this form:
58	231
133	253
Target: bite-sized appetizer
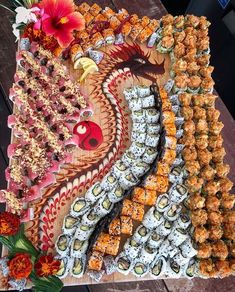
196	201
201	234
207	268
179	50
199	217
134	19
167	30
194	183
190	41
187	113
218	154
189	153
215	141
108	12
227	201
212	114
192	68
154	24
122	14
201	126
215	217
229	217
179	36
219	250
136	30
83	8
126	225
114	22
192	20
225	184
179	22
115	227
215	232
199	113
190	55
170	129
194	83
207	84
179	66
215	128
210	99
95	9
208	172
203	60
192	167
166	44
228	231
203	43
95	261
185	99
212	187
204	250
167	19
88	17
188	140
201	141
206	71
189	127
202	33
204	23
144	34
204	156
223	268
212	204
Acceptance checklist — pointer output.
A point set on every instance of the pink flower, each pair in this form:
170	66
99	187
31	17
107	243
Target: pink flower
59	19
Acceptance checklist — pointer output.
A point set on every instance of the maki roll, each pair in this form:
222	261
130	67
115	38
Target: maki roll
90	219
172	213
63	244
138	212
116	194
64	268
109	264
144	34
123	264
158	267
155	240
140	269
97	40
152	40
187	249
115	227
126	225
139	168
79	207
166	248
103	207
94	193
138	116
170	142
163	202
152	218
139	127
102	242
180	259
178	236
143	91
119	167
109	182
138	137
178	193
176	175
150	155
173	269
147	254
141	234
127	180
190	270
113	245
83	232
153	129
127	159
148	101
165	228
78	248
132	248
165	44
108	35
78	267
152	116
95	261
130	93
137	149
96	275
183	221
152	140
70	224
135	104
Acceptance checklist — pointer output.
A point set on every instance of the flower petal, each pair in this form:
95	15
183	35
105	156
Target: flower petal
64	38
48	27
75	21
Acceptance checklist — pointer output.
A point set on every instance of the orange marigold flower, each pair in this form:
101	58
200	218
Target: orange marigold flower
46	266
20	266
9	223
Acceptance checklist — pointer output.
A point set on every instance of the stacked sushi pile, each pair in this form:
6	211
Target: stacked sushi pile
101	198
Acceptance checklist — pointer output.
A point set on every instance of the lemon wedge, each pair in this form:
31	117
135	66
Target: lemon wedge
87	65
91	69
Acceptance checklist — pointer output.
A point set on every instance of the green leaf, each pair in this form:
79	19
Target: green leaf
7	8
44	284
7	242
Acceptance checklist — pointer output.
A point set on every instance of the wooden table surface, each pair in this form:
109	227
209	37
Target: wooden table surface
151	8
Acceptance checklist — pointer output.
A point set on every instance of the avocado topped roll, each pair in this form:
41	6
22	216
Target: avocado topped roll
124	265
78	267
62	244
140	269
90	219
158	267
70	224
64	268
162	203
119	168
141	234
152	218
132	248
172	212
79	207
155	240
103	206
178	236
78	248
165	228
116	194
150	155
178	193
94	193
138	116
183	221
108	182
83	232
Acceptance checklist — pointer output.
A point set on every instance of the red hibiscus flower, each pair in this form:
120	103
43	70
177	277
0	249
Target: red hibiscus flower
20	266
46	266
9	224
61	20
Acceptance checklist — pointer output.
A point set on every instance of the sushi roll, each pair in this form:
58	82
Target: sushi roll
96	56
126	29
97	40
119	167
79	207
90	218
115	227
108	12
138	116
141	234
187	249
130	93
180	259
116	194
123	263
144	34
174	270
183	221
64	268
178	193
172	213
152	140
102	242
179	148
96	275
170	142
165	228
179	133
138	211
119	39
176	175
109	264
76	52
95	9
158	268
94	193
126	225
103	206
83	8
63	244
138	137
139	168
165	248
108	182
132	248
152	218
78	267
152	40
127	181
78	248
148	101
127	207
135	104
190	270
137	149
150	155
127	159
152	116
69	225
147	254
153	129
108	35
140	269
139	127
95	261
143	91
113	245
178	236
155	240
83	232
163	202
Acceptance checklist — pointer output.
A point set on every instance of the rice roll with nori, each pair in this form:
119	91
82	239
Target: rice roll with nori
137	149
135	104
163	202
96	275
138	116
152	218
190	270
153	129
78	267
90	219
79	207
165	228
130	93
173	270
152	115
103	206
178	236
132	248
109	264
141	234
150	155
152	140
158	267
176	175
128	159
139	168
178	193
95	261
116	194
155	240
69	224
62	244
172	212
127	180
148	101
183	221
78	248
143	90
83	232
123	264
109	182
64	268
147	254
140	269
187	249
94	193
139	127
119	168
138	137
180	259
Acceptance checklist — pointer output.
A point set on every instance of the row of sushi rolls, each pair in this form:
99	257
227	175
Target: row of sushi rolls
165	207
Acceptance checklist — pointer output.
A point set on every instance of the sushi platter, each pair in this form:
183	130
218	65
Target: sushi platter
117	158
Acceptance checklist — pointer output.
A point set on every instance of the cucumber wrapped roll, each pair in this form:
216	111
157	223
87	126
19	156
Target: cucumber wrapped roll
172	212
69	225
163	202
109	182
155	240
178	236
83	232
103	206
140	269
62	244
